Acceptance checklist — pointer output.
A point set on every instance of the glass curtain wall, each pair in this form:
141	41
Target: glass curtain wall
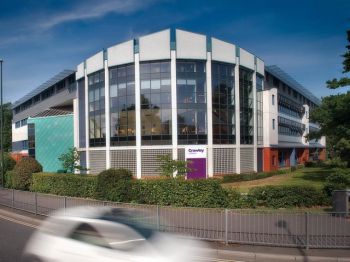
97	127
246	106
155	103
223	79
122	103
191	102
259	108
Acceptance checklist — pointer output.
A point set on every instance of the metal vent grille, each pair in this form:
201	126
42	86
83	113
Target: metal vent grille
247	160
181	154
150	162
124	159
97	161
224	160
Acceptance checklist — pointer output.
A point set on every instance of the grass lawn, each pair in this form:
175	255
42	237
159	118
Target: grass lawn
313	176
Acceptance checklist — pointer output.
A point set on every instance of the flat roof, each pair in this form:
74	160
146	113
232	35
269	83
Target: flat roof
291	82
49	83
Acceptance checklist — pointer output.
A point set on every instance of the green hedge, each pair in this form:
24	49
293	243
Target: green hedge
180	192
252	176
288	196
114	185
64	184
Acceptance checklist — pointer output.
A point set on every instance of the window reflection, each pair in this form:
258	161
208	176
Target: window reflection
155	87
223	103
191	102
96	84
122	103
246	105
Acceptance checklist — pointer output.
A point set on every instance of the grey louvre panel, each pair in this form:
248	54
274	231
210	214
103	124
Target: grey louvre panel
83	159
181	154
247	160
52	112
124	159
81	102
18	146
97	161
149	161
224	160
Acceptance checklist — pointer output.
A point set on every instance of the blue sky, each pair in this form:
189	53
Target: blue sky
40	38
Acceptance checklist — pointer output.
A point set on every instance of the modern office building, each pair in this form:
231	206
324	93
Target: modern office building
176	92
42	123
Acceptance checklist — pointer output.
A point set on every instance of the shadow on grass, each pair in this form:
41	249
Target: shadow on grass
319	175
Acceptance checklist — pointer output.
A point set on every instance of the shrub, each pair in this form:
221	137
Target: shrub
114	185
288	196
9	163
180	192
335	162
337	181
22	175
8	179
73	185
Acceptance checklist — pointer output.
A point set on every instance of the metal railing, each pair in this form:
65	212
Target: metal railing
293	229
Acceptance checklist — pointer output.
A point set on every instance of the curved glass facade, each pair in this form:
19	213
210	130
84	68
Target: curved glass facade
97	126
246	106
223	91
191	102
155	103
122	105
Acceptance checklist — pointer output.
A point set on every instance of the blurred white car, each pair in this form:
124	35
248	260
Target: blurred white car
104	234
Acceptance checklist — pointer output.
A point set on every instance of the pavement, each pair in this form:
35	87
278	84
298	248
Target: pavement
217	251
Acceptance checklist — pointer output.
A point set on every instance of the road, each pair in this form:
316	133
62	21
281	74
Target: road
15	232
13	237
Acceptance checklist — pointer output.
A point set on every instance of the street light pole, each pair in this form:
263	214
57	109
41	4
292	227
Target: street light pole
2	129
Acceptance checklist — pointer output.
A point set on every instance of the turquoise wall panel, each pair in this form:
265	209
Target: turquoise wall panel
54	135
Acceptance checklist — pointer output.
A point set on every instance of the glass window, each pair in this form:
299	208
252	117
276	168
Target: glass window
273	100
223	103
122	102
246	105
191	102
155	103
97	133
18	124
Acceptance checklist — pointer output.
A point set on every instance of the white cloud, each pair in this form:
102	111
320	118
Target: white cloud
95	9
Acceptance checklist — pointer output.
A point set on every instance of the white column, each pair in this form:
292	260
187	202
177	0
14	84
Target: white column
255	129
87	133
210	171
107	117
173	104
76	122
138	115
237	119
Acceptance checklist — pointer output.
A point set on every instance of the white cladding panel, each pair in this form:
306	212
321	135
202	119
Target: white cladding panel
260	66
246	59
155	46
190	45
94	63
121	54
80	71
223	51
270	112
19	134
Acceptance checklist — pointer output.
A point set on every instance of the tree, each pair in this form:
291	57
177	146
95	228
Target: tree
70	160
333	115
169	166
7	135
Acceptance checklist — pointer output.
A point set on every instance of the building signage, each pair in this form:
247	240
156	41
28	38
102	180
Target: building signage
196	157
